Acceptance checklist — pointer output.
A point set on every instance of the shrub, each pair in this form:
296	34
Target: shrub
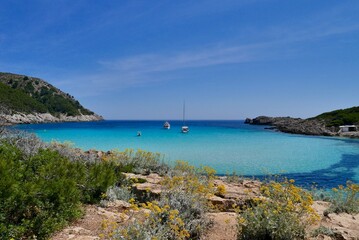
28	143
41	190
191	209
176	216
38	195
118	193
221	190
345	199
233	178
180	210
323	230
283	213
161	222
139	162
99	177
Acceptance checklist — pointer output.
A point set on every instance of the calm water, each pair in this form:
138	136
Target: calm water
227	146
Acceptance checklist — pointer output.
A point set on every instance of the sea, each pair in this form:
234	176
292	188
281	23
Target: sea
227	146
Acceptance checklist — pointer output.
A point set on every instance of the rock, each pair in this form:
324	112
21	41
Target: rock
118	204
248	121
320	207
323	237
223	227
344	226
84	238
20	118
151	187
77	230
240	191
236	194
151	178
262	120
222	204
154	190
118	217
294	125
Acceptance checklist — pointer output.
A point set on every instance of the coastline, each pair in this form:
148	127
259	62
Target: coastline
311	127
22	118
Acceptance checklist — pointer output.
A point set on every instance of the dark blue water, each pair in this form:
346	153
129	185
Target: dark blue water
227	146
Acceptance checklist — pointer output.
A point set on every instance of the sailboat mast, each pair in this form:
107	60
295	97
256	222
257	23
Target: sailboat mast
184	111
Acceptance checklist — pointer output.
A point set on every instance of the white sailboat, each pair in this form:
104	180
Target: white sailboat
185	129
167	125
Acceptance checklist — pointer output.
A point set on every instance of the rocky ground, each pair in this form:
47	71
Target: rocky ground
91	226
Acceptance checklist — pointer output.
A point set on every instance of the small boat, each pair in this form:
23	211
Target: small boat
139	134
185	129
167	125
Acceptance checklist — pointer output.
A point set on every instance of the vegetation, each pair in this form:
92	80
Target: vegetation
25	94
139	161
324	231
38	195
19	101
282	213
43	187
41	193
340	117
179	213
345	199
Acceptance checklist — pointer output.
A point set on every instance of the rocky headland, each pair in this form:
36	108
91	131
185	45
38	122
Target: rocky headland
315	127
294	125
25	99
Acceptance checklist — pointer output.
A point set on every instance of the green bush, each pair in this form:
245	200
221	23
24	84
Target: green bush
99	177
41	192
38	195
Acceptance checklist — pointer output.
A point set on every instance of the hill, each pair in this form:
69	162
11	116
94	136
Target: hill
339	117
24	95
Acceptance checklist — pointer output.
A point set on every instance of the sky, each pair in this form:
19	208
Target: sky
226	59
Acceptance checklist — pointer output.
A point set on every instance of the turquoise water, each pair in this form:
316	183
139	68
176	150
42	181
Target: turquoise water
227	146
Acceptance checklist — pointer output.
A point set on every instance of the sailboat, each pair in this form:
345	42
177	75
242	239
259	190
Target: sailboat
167	125
185	129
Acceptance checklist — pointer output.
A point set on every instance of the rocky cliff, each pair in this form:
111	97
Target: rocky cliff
25	99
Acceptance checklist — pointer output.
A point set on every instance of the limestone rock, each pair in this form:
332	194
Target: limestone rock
20	118
223	227
117	204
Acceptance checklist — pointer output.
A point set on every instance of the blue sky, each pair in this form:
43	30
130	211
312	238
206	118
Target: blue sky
227	59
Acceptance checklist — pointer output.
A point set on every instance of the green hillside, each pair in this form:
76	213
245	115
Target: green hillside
27	94
19	101
340	117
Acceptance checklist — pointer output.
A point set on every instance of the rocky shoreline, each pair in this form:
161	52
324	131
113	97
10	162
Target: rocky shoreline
299	126
23	118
